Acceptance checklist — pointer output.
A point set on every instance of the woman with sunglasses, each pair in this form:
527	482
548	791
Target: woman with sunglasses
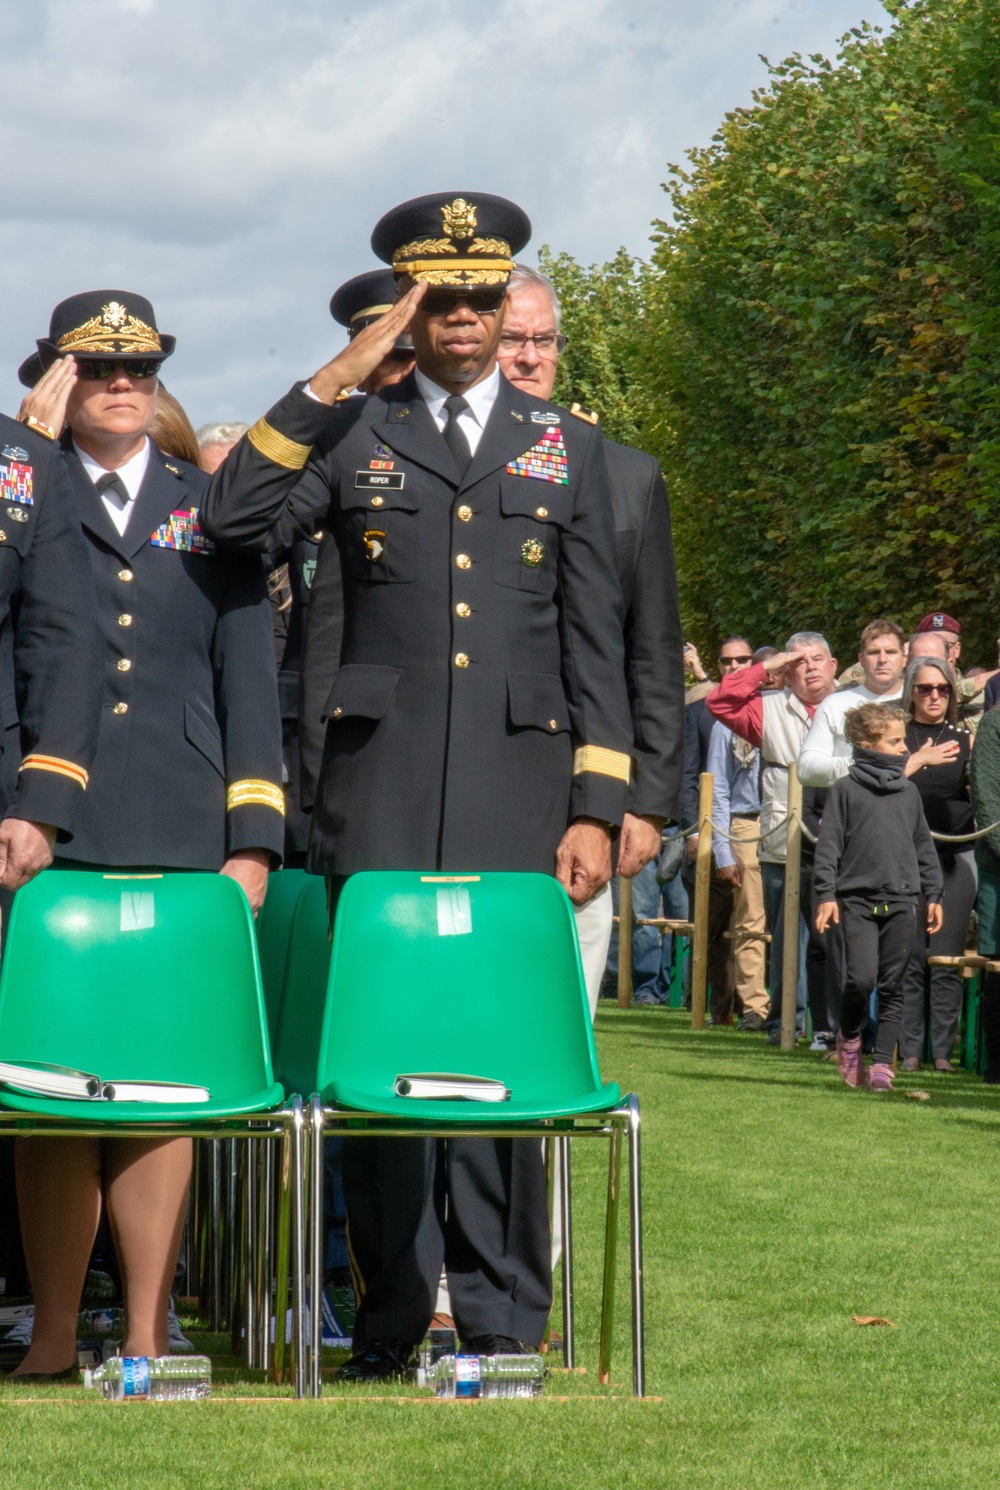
939	768
186	775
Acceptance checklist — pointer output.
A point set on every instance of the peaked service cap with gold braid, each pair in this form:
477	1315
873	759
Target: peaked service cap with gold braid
453	238
363	300
99	323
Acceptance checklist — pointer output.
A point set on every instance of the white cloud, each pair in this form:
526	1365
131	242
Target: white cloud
230	159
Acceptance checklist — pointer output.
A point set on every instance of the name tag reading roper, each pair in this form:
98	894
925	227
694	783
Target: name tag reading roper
379	480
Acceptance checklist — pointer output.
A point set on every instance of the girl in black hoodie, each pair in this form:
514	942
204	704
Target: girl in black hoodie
874	859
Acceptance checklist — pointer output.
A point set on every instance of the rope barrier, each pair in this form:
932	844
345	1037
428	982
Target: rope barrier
780	827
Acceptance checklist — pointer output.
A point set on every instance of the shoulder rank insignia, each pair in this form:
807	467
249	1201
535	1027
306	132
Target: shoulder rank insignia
16	483
169	467
13	452
545	461
587	415
182	532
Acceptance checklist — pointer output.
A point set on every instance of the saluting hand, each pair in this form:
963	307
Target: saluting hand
48	399
363	355
583	860
25	849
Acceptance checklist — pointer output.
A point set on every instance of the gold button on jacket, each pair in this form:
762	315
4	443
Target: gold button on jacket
125	619
126	576
463	610
121	708
463	561
461	660
464	513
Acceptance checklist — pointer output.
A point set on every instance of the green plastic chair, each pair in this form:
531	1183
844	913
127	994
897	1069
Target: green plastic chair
273	927
153	978
471	974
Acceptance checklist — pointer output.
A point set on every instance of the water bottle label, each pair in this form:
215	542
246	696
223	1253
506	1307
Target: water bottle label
135	1376
468	1376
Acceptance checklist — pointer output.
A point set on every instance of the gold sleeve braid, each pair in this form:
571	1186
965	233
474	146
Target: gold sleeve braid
277	447
54	763
602	762
251	793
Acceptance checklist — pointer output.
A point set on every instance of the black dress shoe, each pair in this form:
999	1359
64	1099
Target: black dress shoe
43	1378
379	1360
494	1345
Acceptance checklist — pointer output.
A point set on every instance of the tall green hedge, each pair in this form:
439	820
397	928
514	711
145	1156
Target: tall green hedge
815	357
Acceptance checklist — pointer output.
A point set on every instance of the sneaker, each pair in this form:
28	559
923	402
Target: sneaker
944	1067
751	1021
851	1061
341	1303
646	1000
911	1063
179	1344
880	1078
822	1040
20	1332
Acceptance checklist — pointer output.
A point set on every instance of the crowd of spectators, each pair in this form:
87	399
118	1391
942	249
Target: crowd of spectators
771	708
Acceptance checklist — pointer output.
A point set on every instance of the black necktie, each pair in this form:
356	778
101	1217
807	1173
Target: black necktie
454	435
113	482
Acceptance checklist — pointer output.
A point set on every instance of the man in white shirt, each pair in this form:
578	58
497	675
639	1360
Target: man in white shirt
826	753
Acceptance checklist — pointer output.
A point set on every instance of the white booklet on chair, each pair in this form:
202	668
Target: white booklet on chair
444	1086
43	1080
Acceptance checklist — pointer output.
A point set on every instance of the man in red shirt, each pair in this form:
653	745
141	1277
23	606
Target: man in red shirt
771	704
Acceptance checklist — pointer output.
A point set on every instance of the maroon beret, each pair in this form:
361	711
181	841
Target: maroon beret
938	621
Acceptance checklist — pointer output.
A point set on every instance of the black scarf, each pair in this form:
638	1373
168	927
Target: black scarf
883	773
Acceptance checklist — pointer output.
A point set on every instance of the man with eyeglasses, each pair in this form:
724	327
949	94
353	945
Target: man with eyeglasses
530	346
479	719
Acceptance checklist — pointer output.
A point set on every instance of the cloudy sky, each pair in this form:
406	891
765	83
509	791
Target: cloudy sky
228	158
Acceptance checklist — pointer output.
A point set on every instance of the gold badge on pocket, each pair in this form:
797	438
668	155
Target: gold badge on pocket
532	553
374	541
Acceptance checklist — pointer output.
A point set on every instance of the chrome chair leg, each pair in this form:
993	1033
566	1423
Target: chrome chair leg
299	1144
635	1223
245	1259
285	1203
566	1213
610	1250
316	1247
265	1253
215	1228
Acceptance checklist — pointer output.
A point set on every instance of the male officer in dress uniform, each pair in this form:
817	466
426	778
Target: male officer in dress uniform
529	349
482	648
355	305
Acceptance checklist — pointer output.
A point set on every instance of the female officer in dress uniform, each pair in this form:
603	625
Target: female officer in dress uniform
186	774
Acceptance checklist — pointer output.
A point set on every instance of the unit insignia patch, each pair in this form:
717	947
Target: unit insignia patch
374	541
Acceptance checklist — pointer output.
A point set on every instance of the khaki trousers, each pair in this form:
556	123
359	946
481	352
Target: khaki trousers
748	917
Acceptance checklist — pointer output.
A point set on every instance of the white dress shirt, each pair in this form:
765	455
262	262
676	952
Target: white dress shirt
131	474
826	752
471	421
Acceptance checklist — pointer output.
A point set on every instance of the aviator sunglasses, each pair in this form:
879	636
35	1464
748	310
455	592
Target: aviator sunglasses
485	302
92	370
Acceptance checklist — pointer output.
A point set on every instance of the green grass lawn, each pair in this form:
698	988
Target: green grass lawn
777	1204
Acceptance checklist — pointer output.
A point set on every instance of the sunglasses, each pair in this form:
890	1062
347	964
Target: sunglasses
91	370
928	690
732	661
485	302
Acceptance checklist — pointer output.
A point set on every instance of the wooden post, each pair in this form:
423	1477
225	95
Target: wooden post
790	958
702	885
624	942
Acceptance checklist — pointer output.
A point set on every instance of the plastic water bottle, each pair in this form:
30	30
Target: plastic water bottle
162	1378
91	1323
436	1343
487	1376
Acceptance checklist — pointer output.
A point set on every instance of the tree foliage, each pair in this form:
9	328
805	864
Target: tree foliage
819	362
601	308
